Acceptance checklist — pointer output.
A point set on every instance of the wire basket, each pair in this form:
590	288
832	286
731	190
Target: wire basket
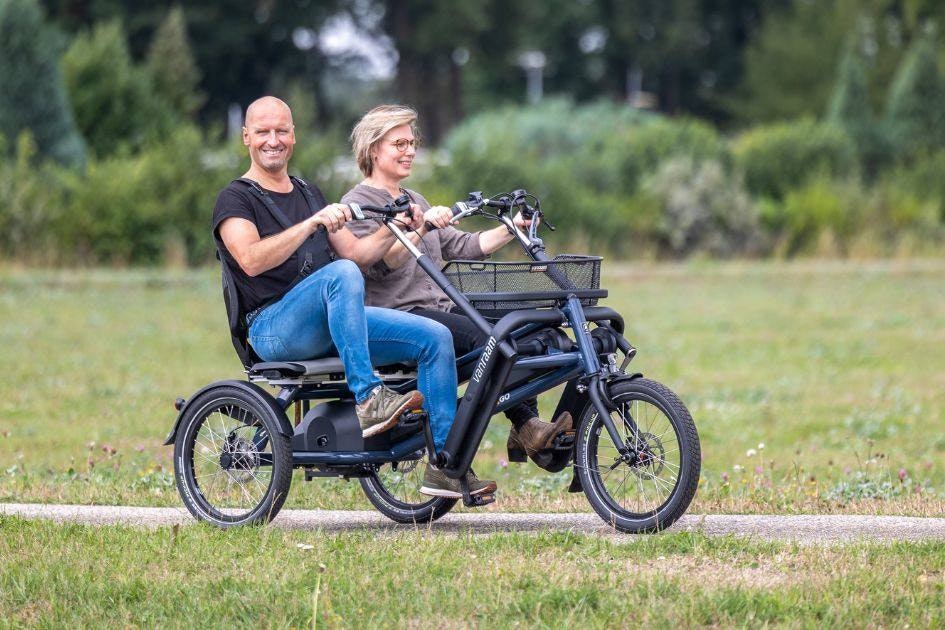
499	287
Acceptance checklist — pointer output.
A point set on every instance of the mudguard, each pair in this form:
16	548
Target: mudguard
285	428
576	405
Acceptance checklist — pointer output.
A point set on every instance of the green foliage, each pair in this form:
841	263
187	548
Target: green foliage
29	205
115	104
148	209
585	162
31	93
173	69
780	157
818	209
704	210
915	109
849	109
784	63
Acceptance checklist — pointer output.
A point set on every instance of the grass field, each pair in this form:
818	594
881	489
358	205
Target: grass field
198	577
837	369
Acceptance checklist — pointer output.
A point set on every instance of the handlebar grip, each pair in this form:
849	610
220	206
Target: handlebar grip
356	213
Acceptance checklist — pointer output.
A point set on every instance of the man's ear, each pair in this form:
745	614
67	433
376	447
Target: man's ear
245	136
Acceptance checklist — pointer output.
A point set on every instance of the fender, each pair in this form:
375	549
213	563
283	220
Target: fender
251	388
579	404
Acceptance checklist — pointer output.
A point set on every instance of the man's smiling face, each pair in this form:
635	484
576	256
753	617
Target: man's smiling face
270	135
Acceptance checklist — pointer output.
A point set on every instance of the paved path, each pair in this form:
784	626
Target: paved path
808	529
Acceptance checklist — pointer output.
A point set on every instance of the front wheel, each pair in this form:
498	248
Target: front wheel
652	485
394	489
232	464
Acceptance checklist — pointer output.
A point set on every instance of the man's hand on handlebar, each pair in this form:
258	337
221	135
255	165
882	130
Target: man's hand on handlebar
332	217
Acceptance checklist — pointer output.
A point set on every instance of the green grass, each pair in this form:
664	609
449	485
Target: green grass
837	368
199	577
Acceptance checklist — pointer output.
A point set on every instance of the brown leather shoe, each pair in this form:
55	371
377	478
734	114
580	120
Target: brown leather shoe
536	436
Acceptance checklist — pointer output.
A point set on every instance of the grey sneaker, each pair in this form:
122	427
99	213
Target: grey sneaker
437	484
383	408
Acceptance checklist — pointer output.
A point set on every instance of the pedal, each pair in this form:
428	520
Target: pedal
479	500
563	441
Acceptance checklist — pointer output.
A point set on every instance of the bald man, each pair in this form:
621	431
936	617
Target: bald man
302	290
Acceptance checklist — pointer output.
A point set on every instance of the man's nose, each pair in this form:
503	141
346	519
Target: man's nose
272	137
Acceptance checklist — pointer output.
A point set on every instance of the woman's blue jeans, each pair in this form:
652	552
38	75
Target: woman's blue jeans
324	314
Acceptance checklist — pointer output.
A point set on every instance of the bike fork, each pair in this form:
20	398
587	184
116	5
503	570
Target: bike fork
596	386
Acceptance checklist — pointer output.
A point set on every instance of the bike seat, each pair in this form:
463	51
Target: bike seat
329	368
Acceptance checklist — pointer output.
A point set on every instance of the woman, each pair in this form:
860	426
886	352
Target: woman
385	143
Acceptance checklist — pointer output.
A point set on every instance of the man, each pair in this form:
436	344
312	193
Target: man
283	243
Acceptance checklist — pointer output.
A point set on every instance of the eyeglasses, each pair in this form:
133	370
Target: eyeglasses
402	144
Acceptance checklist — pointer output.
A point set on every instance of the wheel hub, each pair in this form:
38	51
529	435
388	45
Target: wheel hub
648	456
240	458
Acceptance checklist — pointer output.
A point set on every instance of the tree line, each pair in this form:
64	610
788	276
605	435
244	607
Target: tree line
808	118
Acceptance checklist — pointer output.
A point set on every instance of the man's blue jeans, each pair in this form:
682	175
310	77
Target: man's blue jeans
324	314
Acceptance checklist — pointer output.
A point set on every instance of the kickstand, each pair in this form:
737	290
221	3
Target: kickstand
474	501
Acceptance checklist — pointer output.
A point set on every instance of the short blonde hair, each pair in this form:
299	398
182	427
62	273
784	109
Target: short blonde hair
373	126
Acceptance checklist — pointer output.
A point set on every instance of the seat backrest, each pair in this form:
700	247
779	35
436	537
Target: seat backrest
236	317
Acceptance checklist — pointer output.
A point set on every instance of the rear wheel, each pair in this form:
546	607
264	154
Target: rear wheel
231	463
394	489
651	486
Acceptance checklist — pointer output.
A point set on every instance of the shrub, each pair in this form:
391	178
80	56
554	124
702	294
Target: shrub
704	210
778	158
144	209
29	205
585	162
819	209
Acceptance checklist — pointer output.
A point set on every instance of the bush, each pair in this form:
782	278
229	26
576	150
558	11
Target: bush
151	208
704	210
781	157
816	215
29	206
585	162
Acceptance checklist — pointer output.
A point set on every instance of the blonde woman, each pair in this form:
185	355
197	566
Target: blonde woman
385	143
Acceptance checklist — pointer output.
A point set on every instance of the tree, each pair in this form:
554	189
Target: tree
243	49
173	70
850	109
915	109
115	104
31	92
784	63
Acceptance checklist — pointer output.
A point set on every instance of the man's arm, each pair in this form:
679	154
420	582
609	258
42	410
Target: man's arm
256	255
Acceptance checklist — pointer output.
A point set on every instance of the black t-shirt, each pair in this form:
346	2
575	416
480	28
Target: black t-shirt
237	200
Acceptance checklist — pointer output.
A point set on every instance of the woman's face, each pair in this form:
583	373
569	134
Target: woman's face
390	162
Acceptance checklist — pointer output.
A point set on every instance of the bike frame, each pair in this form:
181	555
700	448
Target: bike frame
498	377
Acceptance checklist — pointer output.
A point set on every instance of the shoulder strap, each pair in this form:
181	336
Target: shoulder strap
307	193
267	201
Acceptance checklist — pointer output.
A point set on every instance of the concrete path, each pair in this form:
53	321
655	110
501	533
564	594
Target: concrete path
804	528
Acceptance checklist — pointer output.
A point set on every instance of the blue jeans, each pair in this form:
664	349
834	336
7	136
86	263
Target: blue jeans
324	314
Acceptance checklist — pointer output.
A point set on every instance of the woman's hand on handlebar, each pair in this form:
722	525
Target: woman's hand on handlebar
521	222
332	217
437	217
